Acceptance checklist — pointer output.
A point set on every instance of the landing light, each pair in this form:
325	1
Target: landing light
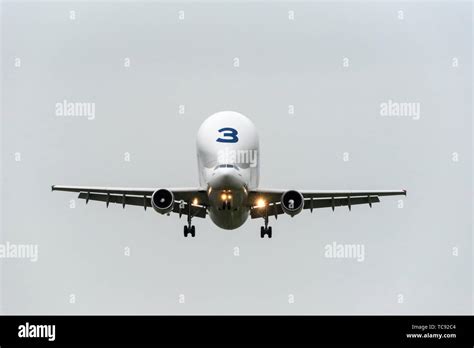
223	196
261	203
195	201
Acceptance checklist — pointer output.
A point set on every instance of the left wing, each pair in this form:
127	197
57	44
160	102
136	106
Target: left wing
314	199
142	197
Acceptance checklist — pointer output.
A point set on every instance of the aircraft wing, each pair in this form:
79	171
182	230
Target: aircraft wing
315	199
141	197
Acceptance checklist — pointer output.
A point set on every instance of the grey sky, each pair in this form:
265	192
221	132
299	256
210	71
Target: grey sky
282	62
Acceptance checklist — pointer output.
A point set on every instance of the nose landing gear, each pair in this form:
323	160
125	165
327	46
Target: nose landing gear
226	205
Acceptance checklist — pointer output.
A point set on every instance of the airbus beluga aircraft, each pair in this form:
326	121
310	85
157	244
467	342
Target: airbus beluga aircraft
228	164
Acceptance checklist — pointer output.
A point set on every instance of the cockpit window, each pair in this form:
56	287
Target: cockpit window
227	166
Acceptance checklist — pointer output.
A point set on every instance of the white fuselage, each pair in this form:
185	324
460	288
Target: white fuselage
228	164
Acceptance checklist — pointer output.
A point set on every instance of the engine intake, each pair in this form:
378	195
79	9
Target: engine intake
292	202
162	201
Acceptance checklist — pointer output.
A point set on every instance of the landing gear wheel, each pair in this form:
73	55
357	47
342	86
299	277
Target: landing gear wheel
265	231
189	230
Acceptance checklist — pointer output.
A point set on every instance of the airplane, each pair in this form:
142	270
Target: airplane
228	167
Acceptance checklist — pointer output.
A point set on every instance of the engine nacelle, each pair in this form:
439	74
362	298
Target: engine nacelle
292	202
162	201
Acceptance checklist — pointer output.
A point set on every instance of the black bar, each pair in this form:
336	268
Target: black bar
242	329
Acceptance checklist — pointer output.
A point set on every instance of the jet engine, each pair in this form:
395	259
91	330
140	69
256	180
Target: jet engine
162	201
292	202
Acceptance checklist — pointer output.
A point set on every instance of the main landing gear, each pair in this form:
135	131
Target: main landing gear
266	230
189	229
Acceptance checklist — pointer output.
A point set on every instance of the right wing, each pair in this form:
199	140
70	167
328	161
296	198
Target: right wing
142	197
316	199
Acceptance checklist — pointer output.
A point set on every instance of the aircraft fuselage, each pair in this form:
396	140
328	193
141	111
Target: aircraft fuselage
228	164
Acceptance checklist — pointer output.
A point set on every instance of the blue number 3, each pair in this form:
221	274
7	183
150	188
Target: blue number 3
229	135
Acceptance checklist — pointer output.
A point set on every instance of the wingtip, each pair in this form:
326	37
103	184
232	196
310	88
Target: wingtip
405	192
52	188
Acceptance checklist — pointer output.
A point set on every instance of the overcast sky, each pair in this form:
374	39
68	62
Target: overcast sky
334	64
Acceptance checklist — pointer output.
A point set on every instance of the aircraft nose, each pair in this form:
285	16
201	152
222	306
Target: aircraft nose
226	178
